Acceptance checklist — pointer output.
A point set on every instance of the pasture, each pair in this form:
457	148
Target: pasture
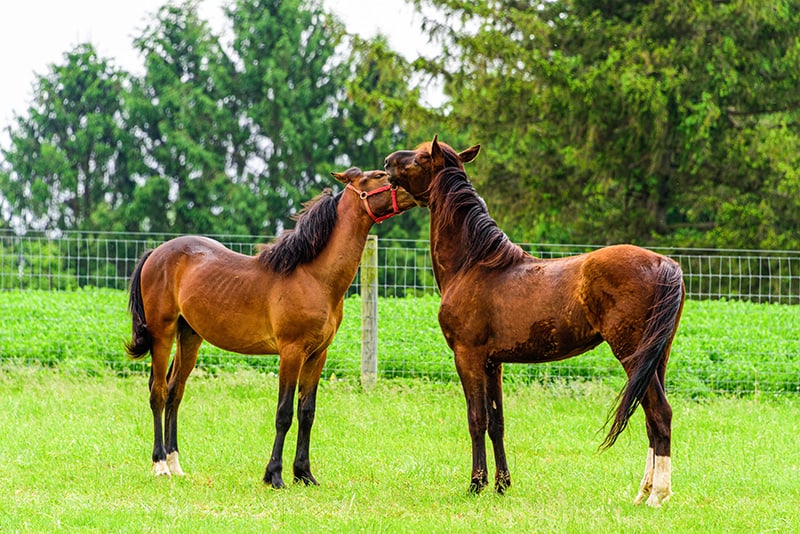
75	456
75	438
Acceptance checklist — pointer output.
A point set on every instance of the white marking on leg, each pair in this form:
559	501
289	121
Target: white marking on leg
161	469
173	464
647	480
662	487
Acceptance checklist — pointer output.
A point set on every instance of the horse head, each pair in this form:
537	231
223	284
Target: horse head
381	198
413	170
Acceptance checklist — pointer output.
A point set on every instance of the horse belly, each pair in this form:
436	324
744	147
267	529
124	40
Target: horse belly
546	340
230	335
238	329
244	344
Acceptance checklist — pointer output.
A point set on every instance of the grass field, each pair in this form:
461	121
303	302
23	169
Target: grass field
732	347
75	456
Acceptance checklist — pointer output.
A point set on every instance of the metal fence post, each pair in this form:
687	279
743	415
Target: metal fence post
369	313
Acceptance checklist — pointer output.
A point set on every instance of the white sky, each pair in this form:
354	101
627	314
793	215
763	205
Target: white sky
36	33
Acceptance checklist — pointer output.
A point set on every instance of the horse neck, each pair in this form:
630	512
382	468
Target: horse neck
336	267
446	244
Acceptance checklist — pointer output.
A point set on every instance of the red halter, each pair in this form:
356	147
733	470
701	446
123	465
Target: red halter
364	195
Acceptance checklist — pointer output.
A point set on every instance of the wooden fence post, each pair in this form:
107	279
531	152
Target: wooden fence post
369	313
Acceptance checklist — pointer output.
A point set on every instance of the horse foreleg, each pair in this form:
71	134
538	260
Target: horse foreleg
502	478
306	408
287	382
182	366
473	380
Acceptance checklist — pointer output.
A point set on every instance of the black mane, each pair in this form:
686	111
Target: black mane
484	243
310	235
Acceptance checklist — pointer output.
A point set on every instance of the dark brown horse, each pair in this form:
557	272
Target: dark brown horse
499	304
286	300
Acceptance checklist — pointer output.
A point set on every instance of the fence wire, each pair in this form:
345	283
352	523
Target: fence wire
743	336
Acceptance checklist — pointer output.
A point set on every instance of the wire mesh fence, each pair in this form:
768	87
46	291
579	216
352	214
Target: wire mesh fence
63	302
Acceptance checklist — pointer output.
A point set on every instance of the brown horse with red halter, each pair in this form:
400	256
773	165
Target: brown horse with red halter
286	300
501	305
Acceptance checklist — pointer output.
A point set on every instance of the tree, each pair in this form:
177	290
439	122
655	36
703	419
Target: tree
653	122
70	163
287	82
211	139
238	138
187	124
379	111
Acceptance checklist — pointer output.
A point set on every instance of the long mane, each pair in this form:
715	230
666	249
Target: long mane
305	242
454	198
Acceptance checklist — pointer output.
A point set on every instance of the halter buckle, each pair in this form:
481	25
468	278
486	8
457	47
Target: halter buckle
364	195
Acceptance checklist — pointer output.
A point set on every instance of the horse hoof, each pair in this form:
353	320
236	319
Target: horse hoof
500	488
160	469
655	500
274	480
476	486
502	483
307	479
173	465
640	498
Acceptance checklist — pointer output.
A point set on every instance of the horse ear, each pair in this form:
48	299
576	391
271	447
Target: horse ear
469	154
436	152
353	173
341	176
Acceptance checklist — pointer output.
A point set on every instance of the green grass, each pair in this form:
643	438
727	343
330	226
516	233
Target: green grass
75	456
733	346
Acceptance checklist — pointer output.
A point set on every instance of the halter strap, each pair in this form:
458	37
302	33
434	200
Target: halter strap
364	195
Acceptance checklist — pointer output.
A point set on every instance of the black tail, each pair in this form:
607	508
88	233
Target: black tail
651	355
141	342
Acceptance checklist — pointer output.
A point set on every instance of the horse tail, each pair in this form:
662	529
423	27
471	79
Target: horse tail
141	342
650	357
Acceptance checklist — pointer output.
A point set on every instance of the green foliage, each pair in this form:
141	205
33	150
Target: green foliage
658	123
735	346
288	86
34	264
213	138
71	157
652	122
181	110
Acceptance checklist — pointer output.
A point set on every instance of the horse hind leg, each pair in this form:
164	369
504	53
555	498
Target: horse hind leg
162	346
656	487
182	365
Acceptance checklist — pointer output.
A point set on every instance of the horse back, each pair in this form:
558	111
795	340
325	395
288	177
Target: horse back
547	310
220	293
232	300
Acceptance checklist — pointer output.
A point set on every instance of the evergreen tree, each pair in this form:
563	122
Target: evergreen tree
187	124
652	122
288	80
70	163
